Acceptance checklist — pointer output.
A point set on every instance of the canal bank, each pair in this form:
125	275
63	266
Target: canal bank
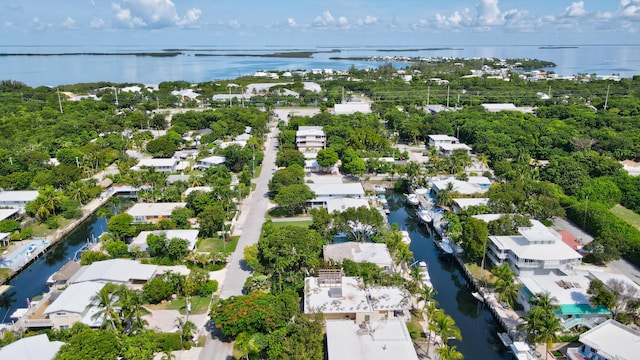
477	325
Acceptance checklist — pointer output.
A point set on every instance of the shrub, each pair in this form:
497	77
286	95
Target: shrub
53	222
156	290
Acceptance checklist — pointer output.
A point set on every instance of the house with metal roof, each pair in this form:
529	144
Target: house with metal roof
153	212
74	305
359	252
210	161
17	199
610	340
310	138
118	271
327	193
158	164
36	347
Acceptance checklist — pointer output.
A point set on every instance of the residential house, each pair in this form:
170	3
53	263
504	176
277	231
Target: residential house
372	340
343	204
140	242
310	138
340	297
506	107
475	185
5	238
189	190
353	106
17	199
632	167
438	140
9	214
610	340
74	305
326	192
374	253
153	212
158	164
537	250
211	161
570	291
118	271
465	203
37	347
186	95
172	179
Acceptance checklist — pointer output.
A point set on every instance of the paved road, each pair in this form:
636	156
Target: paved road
249	226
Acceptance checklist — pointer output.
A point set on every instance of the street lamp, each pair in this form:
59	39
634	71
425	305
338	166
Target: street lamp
253	162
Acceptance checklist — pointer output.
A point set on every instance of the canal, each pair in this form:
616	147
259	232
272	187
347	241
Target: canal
32	281
479	329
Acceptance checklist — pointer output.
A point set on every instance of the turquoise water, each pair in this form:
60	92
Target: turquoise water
581	309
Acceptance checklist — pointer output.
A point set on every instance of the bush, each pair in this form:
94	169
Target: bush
208	288
169	341
568	338
89	257
117	249
156	290
53	222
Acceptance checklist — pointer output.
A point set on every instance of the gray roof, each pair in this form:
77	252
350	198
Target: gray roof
67	271
337	190
140	241
173	178
390	339
613	340
359	252
154	209
31	348
75	298
6	213
114	270
18	195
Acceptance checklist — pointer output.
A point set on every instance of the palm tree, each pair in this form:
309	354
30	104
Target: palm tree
484	160
547	302
131	308
445	326
187	329
248	344
449	353
106	301
507	291
426	294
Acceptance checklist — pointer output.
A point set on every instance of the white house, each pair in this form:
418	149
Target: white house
310	138
153	212
118	271
326	192
478	186
464	203
610	340
632	167
446	144
17	199
36	347
352	107
343	204
537	250
74	305
159	164
140	242
359	252
211	161
9	213
375	340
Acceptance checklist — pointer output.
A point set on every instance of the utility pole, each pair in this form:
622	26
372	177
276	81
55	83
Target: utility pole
586	206
549	92
448	88
606	99
428	93
115	90
59	101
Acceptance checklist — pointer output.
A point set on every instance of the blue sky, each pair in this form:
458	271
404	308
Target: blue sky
318	22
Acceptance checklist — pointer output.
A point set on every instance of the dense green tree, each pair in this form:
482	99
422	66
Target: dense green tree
327	158
90	344
120	226
294	197
161	147
211	220
475	235
284	177
288	157
117	249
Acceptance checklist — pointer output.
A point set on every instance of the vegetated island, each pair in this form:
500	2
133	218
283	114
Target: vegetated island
520	64
557	47
288	54
152	54
419	49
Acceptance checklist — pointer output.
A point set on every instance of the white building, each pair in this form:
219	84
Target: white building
9	213
352	107
464	203
159	164
118	271
17	199
376	340
506	107
211	161
74	305
359	252
475	185
36	347
610	340
446	144
537	250
140	242
153	212
632	167
326	192
310	138
343	204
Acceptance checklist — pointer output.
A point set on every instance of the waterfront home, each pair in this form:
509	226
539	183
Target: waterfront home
371	340
211	161
358	252
60	277
610	340
37	347
153	212
5	238
74	305
464	203
158	164
9	214
351	107
140	242
537	250
343	204
475	185
326	192
343	297
118	271
17	199
570	291
310	138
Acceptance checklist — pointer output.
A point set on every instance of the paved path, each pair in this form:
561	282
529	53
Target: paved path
249	227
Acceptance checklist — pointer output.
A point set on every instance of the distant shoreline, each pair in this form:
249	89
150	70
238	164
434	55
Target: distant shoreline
420	49
289	54
151	54
557	47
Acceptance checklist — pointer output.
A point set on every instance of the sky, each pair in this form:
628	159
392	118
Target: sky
318	22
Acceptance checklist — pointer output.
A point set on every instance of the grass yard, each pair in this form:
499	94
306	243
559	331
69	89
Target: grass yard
217	244
415	329
304	223
199	305
476	271
4	274
626	215
41	230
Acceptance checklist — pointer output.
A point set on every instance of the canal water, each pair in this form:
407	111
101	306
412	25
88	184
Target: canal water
32	281
479	329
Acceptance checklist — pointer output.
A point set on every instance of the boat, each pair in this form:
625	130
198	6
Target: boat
425	215
382	199
505	339
522	351
448	246
412	199
422	265
478	296
379	189
405	237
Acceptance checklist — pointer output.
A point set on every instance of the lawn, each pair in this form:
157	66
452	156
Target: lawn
4	273
199	305
217	244
626	215
476	271
415	329
304	223
41	230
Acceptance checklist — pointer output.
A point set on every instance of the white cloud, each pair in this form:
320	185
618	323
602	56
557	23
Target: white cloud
630	9
455	21
324	20
576	9
368	20
343	23
39	25
9	24
13	7
291	22
489	13
234	24
69	23
152	14
422	23
97	23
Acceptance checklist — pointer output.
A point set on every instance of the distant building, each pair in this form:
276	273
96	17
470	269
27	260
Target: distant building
465	203
211	161
153	212
352	107
610	340
632	167
475	185
359	252
446	144
310	138
506	107
158	164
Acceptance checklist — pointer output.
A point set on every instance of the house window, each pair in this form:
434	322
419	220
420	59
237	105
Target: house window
64	327
61	314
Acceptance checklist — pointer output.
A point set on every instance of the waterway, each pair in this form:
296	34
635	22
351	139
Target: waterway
479	329
32	281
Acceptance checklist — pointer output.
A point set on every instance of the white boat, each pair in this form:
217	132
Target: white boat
422	265
478	296
379	189
448	246
382	199
425	215
412	199
405	237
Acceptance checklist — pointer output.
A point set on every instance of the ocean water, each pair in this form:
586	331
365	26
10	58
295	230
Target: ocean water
56	70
